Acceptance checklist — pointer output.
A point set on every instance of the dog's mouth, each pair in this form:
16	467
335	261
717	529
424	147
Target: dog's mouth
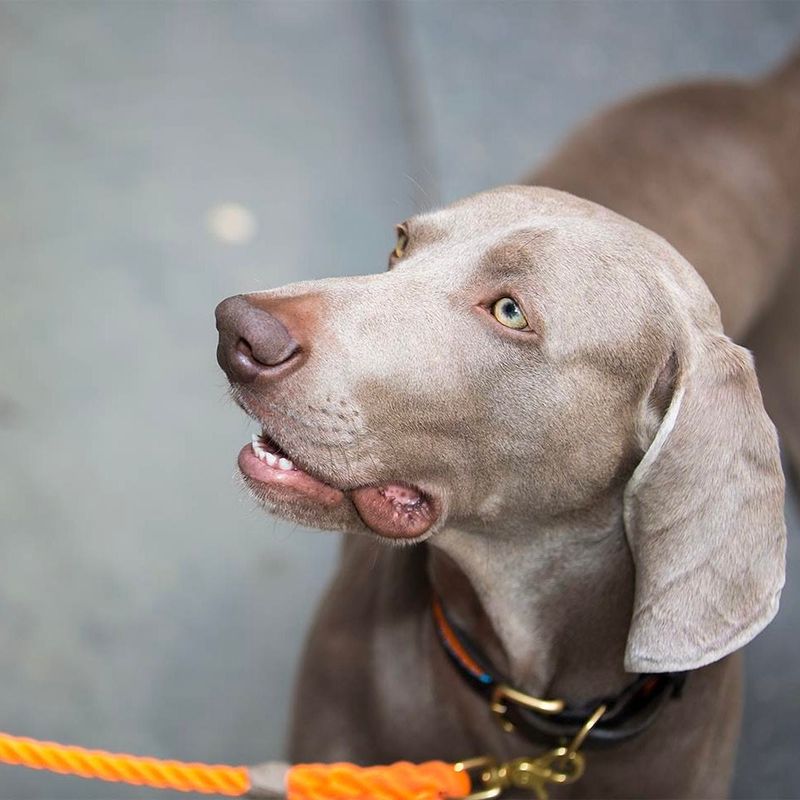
265	462
394	510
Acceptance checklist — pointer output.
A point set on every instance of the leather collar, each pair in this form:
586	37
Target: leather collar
626	714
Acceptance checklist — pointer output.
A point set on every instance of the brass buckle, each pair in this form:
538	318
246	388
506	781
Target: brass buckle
503	692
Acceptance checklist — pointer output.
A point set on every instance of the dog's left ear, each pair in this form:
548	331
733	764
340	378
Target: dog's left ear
704	514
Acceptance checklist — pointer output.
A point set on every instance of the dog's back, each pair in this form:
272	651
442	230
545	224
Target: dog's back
714	168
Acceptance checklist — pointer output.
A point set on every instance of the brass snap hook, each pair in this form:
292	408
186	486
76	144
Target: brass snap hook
490	773
563	764
531	774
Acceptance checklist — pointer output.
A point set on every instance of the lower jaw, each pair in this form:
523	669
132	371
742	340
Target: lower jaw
393	511
292	482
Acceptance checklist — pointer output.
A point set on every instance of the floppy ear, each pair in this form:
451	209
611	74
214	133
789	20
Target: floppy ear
704	516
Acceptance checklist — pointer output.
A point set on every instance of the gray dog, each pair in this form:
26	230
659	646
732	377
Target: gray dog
539	397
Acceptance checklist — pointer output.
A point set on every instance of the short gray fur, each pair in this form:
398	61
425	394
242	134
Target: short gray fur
144	604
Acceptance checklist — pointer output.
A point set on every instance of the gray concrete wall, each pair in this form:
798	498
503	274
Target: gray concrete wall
144	604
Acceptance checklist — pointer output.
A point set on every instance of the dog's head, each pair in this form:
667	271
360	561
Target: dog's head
526	356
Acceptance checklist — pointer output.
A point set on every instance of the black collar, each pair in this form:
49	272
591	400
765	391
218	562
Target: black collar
626	714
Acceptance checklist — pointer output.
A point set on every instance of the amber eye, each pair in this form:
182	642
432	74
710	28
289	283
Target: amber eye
402	242
508	313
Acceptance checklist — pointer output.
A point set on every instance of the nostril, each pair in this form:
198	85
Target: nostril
243	347
246	350
268	353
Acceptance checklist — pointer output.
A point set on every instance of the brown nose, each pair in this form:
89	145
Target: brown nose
252	341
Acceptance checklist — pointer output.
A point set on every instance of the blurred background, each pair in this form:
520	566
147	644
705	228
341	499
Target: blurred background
159	156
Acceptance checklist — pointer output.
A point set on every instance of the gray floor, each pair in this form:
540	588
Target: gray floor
144	605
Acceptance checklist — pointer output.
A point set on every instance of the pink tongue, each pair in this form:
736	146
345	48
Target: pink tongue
394	510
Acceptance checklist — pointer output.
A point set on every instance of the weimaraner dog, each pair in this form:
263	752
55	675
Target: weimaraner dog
536	407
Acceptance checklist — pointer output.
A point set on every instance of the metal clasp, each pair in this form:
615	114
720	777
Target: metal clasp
489	774
558	766
561	765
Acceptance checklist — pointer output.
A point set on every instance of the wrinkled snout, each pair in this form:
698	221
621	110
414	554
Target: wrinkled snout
253	342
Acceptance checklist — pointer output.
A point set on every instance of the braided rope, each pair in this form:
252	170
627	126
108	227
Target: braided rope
118	767
402	781
433	780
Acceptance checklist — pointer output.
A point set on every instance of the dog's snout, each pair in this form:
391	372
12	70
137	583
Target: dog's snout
252	342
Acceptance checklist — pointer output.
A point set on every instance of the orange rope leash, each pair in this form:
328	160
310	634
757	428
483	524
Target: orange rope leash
118	767
403	781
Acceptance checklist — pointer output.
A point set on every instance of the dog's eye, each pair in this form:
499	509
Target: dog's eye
508	313
402	242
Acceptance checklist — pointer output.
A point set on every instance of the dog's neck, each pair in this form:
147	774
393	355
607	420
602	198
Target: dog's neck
552	616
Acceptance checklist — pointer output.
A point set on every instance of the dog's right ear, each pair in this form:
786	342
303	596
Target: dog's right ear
704	513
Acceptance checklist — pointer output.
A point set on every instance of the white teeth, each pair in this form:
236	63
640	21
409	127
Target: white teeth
260	449
262	452
258	446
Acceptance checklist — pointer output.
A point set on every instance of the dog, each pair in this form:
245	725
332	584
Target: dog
537	405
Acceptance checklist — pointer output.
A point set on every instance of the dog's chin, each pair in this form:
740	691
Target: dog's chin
398	513
302	511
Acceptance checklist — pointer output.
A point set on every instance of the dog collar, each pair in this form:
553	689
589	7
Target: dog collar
624	715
